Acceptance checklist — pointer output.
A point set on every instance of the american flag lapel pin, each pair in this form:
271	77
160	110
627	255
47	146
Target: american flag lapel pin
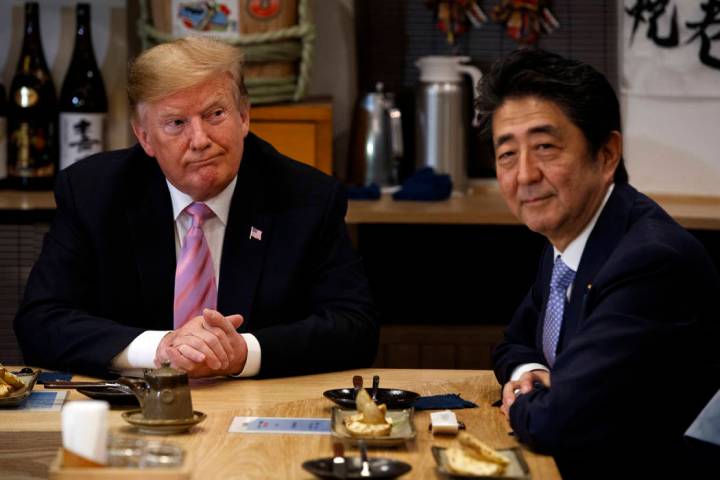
255	234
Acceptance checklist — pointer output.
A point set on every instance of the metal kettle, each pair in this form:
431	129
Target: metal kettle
377	143
443	116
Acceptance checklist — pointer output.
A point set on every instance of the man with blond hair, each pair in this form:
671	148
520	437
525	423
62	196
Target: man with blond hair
202	246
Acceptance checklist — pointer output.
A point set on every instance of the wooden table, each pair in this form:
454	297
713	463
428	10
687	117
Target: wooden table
29	440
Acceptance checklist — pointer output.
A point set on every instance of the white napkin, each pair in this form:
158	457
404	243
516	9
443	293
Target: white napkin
444	422
85	428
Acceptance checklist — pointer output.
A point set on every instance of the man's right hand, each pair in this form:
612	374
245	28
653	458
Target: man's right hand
210	340
523	385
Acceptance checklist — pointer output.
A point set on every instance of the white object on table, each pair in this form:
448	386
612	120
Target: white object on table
85	429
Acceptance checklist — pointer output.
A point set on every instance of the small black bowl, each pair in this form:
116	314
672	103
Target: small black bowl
392	397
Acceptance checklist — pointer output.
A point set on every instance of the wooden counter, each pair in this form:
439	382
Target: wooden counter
484	207
29	440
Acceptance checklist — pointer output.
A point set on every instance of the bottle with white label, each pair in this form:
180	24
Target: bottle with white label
83	102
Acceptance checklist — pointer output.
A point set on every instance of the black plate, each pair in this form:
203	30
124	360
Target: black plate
379	468
111	395
394	399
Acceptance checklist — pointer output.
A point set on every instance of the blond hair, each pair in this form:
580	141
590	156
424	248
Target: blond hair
170	67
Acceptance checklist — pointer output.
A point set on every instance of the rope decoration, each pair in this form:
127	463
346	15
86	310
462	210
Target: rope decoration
283	45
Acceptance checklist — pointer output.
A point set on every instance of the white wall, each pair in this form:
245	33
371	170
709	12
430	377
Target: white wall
673	145
57	29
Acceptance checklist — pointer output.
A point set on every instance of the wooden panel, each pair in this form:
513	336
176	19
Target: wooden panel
19	248
296	140
441	346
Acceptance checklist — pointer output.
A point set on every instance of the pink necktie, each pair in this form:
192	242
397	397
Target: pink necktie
195	287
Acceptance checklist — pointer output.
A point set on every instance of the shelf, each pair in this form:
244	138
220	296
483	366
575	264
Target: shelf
485	207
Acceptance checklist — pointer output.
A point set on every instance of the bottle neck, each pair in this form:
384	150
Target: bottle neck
31	42
83	38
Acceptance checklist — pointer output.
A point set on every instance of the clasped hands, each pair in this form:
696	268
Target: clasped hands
524	384
206	345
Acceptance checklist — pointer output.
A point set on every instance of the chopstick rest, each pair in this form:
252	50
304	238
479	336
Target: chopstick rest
445	422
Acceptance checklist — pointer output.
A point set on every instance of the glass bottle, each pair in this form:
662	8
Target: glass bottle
83	102
32	114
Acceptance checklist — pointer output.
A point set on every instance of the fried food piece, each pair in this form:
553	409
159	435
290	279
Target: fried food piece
371	412
370	421
5	390
11	379
480	450
474	458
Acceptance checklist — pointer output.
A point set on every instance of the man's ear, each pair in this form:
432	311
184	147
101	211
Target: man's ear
142	135
610	154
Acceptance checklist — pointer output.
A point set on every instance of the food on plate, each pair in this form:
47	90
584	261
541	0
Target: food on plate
370	421
9	382
474	457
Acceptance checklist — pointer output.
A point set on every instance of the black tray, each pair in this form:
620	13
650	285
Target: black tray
394	399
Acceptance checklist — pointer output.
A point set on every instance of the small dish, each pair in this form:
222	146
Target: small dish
517	470
113	396
162	427
20	395
394	399
379	468
403	428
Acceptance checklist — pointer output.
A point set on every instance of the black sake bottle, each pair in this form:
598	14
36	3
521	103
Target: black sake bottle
83	102
32	114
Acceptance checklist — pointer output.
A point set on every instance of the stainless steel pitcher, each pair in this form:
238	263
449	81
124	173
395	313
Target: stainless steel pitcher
377	140
443	116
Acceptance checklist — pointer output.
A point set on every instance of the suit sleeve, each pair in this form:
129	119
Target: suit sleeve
342	329
58	324
639	328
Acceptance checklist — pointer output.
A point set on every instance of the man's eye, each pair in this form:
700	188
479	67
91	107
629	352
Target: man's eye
174	126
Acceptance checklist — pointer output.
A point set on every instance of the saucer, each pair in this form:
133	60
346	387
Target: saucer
162	427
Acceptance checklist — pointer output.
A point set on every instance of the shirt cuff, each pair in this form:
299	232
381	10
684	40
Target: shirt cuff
526	367
140	353
252	363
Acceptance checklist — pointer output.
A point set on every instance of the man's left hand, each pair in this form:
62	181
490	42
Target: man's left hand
182	354
524	384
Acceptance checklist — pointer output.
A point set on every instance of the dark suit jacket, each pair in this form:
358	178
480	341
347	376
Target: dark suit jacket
637	357
106	271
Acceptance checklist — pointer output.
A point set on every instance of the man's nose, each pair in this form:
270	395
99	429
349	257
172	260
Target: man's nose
528	171
199	139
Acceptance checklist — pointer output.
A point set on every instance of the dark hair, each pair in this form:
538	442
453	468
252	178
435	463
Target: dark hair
581	92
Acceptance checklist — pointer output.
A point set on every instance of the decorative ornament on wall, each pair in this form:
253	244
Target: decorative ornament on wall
217	18
525	20
455	17
264	9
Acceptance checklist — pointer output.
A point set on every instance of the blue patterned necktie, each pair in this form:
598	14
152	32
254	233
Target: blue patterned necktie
562	277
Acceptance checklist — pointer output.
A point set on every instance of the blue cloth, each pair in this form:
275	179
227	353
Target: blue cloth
562	277
44	377
441	402
425	185
369	192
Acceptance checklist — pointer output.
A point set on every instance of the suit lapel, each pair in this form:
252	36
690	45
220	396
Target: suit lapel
152	234
608	231
243	254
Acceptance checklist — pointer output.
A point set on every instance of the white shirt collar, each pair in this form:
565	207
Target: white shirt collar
219	204
573	252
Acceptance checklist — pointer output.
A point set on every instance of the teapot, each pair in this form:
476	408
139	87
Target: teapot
443	116
164	393
377	143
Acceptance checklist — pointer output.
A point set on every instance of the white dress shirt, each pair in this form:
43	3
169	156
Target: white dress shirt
141	351
571	257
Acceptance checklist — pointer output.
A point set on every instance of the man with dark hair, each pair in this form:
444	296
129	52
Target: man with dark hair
609	357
